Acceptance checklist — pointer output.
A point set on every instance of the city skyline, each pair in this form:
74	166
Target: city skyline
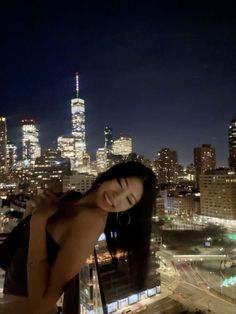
166	73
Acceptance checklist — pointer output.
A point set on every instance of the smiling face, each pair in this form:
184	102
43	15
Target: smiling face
119	194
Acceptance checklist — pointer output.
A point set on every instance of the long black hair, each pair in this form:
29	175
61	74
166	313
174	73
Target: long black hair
132	238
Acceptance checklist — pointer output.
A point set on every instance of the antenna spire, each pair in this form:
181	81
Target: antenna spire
77	84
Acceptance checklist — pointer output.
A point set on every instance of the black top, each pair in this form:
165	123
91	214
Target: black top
16	275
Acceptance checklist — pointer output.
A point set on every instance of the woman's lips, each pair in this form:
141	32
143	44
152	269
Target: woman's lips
109	202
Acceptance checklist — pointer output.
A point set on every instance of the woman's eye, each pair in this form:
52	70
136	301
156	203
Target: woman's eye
118	180
129	201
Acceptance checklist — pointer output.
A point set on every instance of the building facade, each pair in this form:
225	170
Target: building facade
204	160
166	166
66	145
50	168
232	143
101	159
80	182
122	146
30	142
78	129
74	146
108	138
3	144
181	205
11	155
218	194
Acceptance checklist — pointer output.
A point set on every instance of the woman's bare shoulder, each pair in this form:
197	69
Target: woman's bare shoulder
90	216
87	220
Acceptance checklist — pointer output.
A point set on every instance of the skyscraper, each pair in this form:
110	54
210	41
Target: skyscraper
67	147
101	159
232	144
167	166
78	125
108	138
30	141
204	160
3	144
11	155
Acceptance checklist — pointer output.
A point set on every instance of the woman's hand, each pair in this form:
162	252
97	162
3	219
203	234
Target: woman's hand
45	205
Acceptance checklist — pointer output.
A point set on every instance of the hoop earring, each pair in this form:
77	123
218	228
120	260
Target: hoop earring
120	219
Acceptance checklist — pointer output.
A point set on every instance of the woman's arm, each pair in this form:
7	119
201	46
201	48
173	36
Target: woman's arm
78	244
37	263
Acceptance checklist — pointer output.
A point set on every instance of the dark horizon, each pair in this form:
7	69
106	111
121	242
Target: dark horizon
163	73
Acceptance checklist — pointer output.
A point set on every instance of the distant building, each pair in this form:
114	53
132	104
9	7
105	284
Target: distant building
160	207
74	146
232	143
114	159
182	205
122	146
135	157
85	166
204	160
78	128
80	182
167	166
30	142
108	138
11	155
78	125
66	145
3	144
101	159
50	168
218	194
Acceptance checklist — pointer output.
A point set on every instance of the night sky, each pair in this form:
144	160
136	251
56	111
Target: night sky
163	72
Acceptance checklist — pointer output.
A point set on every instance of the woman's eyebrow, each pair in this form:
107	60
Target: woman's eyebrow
126	182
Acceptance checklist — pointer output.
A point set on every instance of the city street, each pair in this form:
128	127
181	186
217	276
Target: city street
189	288
166	305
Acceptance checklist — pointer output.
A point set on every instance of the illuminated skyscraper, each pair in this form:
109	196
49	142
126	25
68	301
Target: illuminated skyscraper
101	159
167	166
204	160
30	141
11	155
3	143
122	146
232	144
108	138
78	125
67	147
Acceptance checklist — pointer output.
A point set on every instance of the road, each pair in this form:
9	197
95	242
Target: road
191	289
166	305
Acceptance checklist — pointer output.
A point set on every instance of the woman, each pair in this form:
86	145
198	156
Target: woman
62	234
